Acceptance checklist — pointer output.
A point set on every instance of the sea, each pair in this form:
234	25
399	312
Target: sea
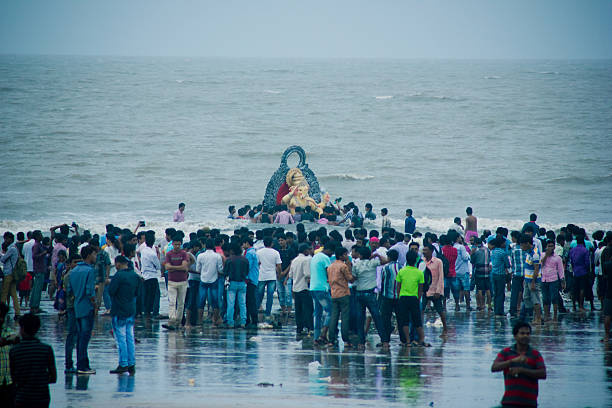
102	139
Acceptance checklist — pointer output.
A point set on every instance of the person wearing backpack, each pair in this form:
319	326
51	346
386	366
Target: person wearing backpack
10	260
434	291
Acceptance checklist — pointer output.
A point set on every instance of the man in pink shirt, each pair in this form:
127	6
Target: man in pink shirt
179	215
435	293
552	279
284	217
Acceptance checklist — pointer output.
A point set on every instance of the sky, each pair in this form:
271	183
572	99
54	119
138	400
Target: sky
470	29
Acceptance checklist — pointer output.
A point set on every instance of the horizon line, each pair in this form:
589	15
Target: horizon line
5	54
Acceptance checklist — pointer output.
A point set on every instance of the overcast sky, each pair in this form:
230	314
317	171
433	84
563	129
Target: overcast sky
311	28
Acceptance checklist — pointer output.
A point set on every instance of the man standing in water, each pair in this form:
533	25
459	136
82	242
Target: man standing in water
409	223
179	215
523	366
471	225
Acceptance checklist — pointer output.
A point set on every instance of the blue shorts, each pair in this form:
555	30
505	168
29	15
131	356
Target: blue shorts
463	281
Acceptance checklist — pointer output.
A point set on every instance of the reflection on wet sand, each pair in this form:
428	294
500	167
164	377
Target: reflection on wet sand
224	367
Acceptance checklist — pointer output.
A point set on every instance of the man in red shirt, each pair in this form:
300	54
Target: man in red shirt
450	281
176	263
523	366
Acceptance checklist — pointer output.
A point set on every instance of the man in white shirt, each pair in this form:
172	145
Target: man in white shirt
209	264
151	270
401	247
299	271
26	251
269	268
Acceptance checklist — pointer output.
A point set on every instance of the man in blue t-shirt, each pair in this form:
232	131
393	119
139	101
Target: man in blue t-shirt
409	222
319	289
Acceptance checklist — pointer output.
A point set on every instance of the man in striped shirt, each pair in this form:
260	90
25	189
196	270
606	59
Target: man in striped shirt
523	366
32	366
389	295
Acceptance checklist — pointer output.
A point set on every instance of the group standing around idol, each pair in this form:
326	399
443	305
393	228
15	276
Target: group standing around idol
334	280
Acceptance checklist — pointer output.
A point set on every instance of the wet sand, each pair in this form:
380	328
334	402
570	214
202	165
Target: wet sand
228	368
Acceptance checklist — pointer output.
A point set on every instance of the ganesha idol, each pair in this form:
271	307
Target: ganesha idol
298	195
295	187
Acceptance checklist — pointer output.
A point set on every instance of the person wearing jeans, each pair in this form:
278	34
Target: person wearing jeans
81	286
123	290
268	287
176	263
389	295
210	266
269	270
71	338
299	273
553	278
499	271
319	289
236	292
151	270
252	279
339	275
364	272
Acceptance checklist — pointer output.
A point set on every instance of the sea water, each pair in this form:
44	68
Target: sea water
121	139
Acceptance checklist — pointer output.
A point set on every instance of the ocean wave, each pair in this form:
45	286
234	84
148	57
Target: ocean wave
269	91
278	71
180	81
492	77
382	97
442	225
158	222
574	179
345	176
423	97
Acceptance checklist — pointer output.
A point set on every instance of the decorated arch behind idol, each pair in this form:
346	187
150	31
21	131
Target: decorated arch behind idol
295	186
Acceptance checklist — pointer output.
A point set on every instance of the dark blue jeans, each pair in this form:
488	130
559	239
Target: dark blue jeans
367	299
499	294
516	288
84	327
192	301
71	336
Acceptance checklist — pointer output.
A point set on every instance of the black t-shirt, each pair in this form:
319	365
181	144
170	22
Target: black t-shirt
285	255
237	268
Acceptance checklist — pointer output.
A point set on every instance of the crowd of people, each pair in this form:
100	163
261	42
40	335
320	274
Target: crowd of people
323	278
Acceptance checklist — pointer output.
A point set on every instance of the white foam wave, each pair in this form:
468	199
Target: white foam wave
345	176
384	97
442	225
272	92
180	81
96	224
492	77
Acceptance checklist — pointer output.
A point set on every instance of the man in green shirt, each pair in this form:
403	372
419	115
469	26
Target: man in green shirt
411	281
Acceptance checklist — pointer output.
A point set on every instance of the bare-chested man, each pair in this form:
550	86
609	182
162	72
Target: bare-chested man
471	224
